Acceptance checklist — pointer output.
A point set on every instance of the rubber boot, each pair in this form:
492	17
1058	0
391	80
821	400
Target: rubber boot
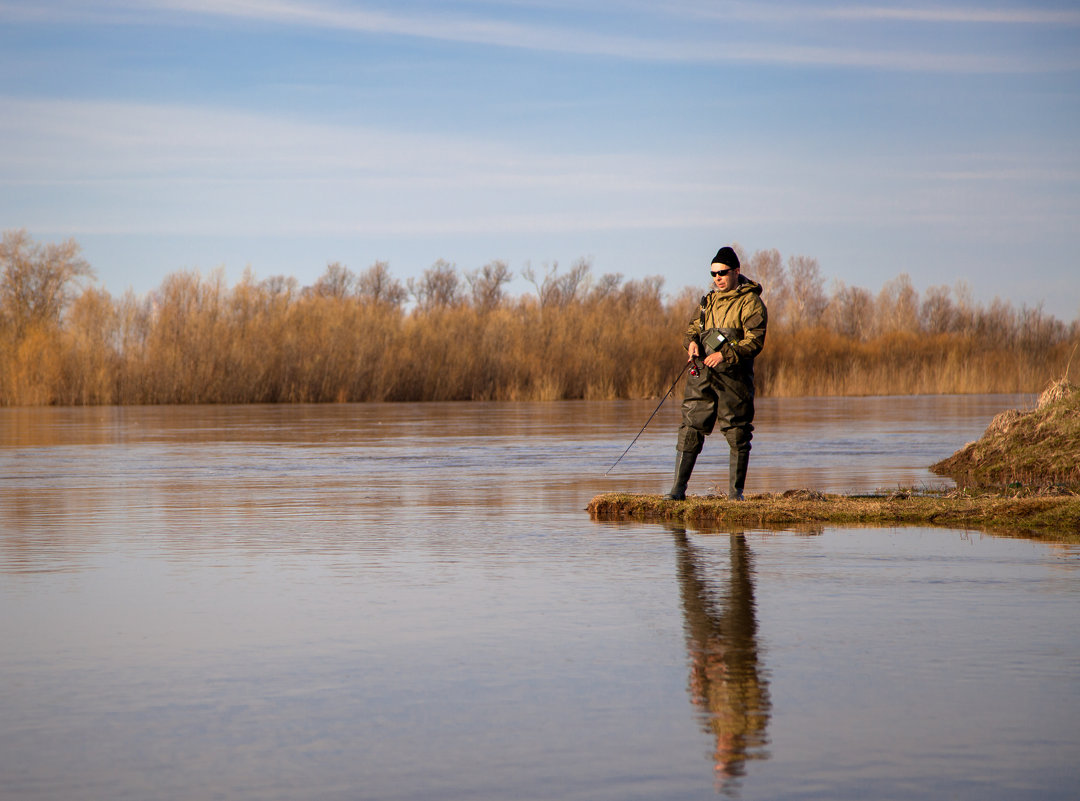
737	464
684	466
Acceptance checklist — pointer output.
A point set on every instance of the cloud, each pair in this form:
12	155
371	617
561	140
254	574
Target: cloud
685	47
680	49
98	165
996	16
94	166
90	140
799	13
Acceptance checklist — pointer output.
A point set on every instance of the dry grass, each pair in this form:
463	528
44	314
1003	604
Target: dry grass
823	363
1034	446
1052	517
353	338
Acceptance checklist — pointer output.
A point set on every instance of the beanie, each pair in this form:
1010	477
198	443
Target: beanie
726	256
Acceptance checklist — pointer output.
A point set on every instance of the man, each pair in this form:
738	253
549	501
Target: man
728	331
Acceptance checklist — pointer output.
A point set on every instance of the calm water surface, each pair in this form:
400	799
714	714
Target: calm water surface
409	602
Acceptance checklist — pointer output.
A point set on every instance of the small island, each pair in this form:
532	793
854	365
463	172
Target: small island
1021	477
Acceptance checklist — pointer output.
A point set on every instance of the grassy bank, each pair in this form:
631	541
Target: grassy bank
1032	446
1051	517
1032	457
1022	477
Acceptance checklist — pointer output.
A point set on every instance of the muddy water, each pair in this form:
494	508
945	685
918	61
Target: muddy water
408	602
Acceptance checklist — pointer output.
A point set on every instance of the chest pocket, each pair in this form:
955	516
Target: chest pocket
712	338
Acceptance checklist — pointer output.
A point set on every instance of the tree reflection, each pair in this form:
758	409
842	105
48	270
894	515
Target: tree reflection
726	678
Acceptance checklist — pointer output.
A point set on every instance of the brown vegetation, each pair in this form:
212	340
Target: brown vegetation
1054	517
1039	446
357	337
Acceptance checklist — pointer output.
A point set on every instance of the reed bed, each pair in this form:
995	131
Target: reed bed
459	336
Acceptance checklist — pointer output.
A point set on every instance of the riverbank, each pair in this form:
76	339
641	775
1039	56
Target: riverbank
1039	446
1044	516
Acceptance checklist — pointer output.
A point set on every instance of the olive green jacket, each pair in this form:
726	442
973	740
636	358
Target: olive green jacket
740	315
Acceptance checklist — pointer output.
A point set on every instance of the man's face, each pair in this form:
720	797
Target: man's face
724	282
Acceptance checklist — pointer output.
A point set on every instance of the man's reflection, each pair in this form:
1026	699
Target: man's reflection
726	680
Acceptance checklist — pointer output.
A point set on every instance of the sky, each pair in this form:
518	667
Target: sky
937	140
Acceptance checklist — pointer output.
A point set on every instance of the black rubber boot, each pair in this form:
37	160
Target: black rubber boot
737	464
684	466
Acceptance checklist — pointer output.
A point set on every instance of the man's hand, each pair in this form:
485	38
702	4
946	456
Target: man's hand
712	360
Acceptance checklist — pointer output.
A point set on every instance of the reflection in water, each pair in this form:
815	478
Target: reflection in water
726	679
409	601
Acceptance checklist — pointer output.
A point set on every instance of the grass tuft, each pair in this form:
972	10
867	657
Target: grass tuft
1038	446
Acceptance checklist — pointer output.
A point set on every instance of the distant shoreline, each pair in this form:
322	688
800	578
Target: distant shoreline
459	335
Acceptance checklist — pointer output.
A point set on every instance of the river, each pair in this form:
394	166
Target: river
408	601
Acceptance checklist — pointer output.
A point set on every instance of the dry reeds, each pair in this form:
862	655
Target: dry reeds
355	337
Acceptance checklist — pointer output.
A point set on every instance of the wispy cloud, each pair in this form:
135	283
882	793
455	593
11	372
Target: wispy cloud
89	140
128	167
98	166
798	13
670	47
582	42
958	14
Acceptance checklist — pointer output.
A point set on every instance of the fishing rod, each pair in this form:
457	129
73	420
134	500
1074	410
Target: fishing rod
692	364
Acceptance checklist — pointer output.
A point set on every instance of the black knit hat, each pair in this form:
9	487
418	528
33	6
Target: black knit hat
726	256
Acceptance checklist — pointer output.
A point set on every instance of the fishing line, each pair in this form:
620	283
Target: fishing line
693	371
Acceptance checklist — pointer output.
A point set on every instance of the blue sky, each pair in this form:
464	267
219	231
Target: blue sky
939	140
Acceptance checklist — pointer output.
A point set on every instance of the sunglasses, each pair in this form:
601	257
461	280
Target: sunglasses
721	272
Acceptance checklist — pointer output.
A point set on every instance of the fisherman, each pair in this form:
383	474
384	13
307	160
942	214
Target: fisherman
728	332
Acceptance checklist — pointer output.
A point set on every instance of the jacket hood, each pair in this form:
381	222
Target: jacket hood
744	286
747	285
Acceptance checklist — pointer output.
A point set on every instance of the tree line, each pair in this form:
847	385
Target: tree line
459	335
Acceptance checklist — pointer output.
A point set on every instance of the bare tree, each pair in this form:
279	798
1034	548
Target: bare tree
938	315
607	286
37	282
644	291
767	268
898	305
439	286
1036	328
487	284
807	300
997	323
337	282
965	307
279	286
560	290
378	285
850	312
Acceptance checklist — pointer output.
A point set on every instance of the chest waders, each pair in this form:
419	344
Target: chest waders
723	395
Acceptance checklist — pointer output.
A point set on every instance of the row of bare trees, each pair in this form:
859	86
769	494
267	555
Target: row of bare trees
797	300
451	335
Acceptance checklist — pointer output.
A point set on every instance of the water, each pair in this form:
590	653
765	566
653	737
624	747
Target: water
409	602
